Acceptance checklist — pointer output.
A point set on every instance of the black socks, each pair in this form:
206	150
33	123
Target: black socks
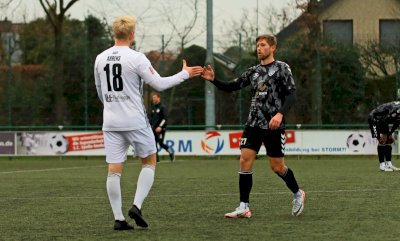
388	153
245	185
290	181
381	153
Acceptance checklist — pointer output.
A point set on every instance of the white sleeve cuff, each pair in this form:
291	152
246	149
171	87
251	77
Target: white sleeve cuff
184	74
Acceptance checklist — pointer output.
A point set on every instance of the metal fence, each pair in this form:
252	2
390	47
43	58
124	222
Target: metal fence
347	92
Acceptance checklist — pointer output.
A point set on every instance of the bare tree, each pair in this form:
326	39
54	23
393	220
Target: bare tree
374	60
274	20
271	20
183	20
145	17
245	27
10	6
56	11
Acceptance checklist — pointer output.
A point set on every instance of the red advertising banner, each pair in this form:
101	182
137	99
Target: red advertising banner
234	139
290	136
85	142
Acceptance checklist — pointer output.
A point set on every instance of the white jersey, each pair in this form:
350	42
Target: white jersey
119	75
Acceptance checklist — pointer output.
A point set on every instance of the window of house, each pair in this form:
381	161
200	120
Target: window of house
389	32
339	30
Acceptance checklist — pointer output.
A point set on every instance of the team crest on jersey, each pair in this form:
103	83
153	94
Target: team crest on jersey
262	86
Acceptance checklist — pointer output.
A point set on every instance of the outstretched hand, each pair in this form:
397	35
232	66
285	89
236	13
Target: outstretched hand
193	71
208	73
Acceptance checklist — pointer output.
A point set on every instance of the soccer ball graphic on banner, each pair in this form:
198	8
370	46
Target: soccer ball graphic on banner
58	143
355	142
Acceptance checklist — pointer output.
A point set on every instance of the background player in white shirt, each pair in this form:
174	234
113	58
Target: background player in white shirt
119	76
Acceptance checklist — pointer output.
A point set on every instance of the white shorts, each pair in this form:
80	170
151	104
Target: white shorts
117	143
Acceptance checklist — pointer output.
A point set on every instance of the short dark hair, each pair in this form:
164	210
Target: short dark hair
271	39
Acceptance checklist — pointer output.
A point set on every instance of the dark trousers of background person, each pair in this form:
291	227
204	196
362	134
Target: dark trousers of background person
159	137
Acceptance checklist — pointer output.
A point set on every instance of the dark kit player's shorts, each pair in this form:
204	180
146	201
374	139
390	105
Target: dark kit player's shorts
274	140
377	129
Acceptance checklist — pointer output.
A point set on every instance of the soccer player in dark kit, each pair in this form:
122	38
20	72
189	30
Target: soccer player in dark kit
158	122
379	120
273	93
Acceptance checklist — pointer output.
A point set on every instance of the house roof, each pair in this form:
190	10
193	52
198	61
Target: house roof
298	23
8	26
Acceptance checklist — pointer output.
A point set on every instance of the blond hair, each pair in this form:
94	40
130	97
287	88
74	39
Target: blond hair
271	39
123	26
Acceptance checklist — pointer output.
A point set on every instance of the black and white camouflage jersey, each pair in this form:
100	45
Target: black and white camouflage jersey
388	113
271	85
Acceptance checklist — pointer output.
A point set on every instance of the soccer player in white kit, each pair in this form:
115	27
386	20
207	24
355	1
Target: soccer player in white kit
120	73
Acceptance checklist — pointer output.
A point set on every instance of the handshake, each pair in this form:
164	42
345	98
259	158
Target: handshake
205	72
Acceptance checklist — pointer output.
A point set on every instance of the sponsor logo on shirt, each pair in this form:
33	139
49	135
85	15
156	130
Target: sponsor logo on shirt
116	98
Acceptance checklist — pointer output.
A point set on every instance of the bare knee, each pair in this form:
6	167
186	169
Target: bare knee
115	167
150	160
246	164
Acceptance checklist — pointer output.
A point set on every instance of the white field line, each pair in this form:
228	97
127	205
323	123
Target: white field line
59	169
273	193
50	169
203	195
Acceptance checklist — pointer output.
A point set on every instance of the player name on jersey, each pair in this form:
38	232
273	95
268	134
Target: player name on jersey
113	58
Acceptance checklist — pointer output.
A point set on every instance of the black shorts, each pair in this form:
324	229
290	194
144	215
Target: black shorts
273	140
377	129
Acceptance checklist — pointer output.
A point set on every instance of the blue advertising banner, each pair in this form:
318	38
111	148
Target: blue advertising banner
7	143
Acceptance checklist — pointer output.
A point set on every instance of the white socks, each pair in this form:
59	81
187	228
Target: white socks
144	184
244	205
384	165
114	195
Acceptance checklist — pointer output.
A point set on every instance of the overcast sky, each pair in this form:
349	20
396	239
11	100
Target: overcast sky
152	15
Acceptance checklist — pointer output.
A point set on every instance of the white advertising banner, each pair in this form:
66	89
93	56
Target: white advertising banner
298	142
